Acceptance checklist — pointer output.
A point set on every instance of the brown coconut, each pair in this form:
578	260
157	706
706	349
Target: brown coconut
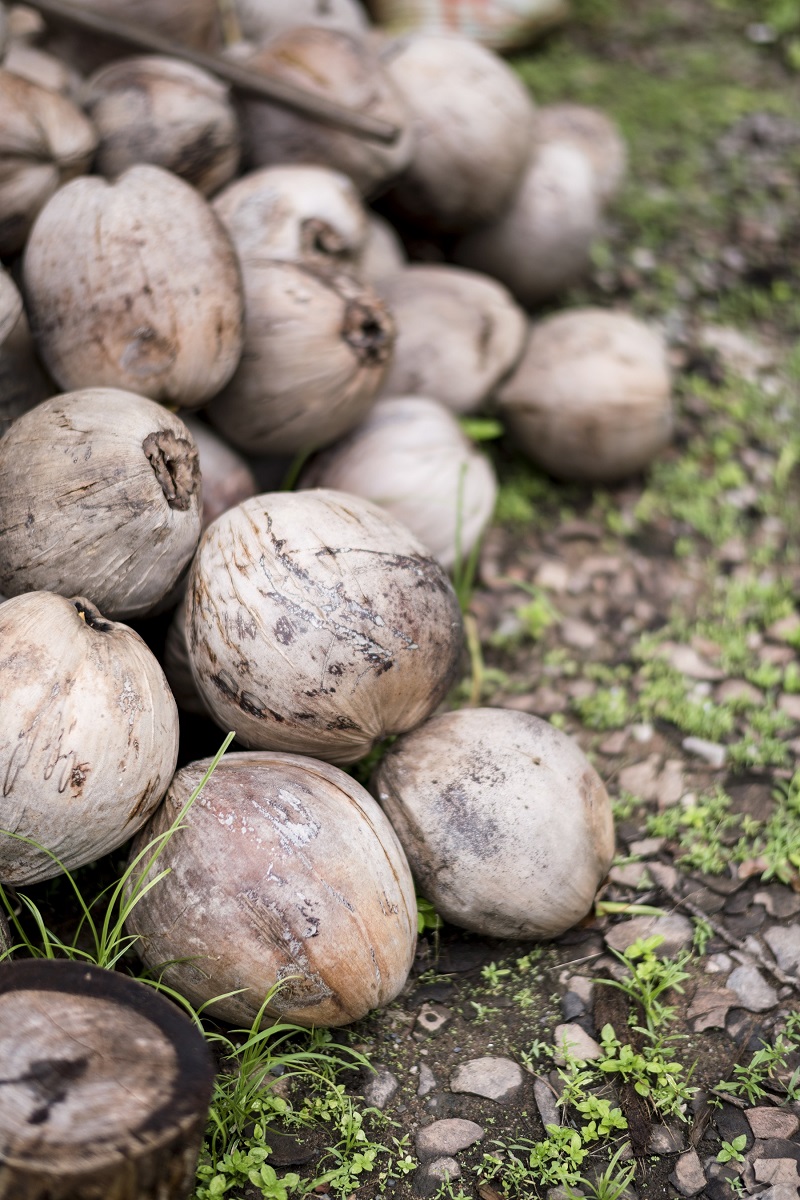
135	285
321	902
591	397
153	109
318	624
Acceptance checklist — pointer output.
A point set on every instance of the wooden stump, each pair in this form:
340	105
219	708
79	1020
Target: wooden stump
104	1087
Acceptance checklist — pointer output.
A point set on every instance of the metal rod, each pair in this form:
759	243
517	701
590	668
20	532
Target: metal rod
288	95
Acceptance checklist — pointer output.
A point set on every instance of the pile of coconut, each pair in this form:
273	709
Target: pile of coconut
209	293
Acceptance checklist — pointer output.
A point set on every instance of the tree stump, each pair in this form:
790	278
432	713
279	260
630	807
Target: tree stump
104	1087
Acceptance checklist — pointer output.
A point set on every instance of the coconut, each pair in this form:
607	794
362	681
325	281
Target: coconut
227	479
178	668
100	495
500	24
45	140
41	68
506	825
318	624
158	110
298	213
592	132
321	902
22	382
135	285
383	252
473	122
316	349
260	20
343	69
411	457
458	334
543	242
88	735
591	397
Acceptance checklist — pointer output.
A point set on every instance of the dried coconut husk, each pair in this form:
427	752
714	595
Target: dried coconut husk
100	496
39	67
88	734
472	120
226	477
592	132
45	140
159	309
383	252
320	901
543	243
178	668
506	824
317	624
10	304
591	396
166	112
458	334
316	349
294	213
260	20
23	384
344	69
411	457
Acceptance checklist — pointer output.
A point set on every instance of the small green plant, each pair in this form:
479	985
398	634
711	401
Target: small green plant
428	919
702	934
495	975
732	1151
750	1080
609	1184
649	978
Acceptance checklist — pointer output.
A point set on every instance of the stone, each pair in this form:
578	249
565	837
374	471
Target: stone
580	635
730	1124
289	1150
495	1078
446	1138
664	875
784	942
381	1087
711	752
546	1102
686	660
780	902
789	703
688	1178
577	1042
752	989
670	783
778	1148
772	1122
427	1080
676	930
778	1171
665	1139
572	1006
583	987
553	575
641	779
433	1017
738	689
630	875
430	1177
780	1191
709	1007
647	847
717	964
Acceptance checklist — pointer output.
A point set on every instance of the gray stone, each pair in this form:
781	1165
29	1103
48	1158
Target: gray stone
433	1017
427	1080
577	1043
784	942
772	1122
688	1178
380	1087
779	901
546	1102
780	1191
780	1172
711	752
676	930
664	1139
752	989
429	1179
495	1078
578	634
446	1138
571	1006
